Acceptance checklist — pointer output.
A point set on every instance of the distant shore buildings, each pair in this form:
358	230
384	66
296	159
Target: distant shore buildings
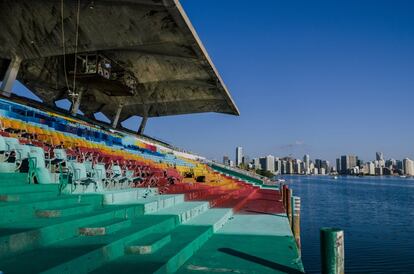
344	165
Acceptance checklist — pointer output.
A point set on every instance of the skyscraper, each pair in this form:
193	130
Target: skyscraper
348	162
278	166
379	156
306	161
338	165
226	160
408	167
268	163
256	163
239	156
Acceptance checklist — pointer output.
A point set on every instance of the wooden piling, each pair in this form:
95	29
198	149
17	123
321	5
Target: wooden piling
289	193
284	190
332	251
281	191
296	221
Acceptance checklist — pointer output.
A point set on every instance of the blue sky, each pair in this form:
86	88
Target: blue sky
319	77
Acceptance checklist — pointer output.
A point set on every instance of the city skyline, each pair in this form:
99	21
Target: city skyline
344	165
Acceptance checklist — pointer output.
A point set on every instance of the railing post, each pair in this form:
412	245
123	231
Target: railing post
332	251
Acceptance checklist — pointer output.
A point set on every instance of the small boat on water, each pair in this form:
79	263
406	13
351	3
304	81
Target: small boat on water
403	176
335	177
281	180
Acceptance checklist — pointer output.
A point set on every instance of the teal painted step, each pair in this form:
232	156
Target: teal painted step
26	196
104	228
84	254
186	252
13	179
149	244
15	211
36	233
215	217
160	202
185	241
28	188
64	211
185	211
126	196
245	254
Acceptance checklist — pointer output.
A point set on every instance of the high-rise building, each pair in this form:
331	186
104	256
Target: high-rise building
268	163
289	167
348	162
306	161
353	161
371	168
379	156
338	165
246	160
239	156
278	166
297	168
408	167
226	160
256	163
318	163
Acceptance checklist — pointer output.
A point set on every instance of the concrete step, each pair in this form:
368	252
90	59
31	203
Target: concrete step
16	211
148	244
185	211
215	217
26	235
85	254
127	196
186	251
12	179
28	188
26	196
160	202
185	241
63	211
105	228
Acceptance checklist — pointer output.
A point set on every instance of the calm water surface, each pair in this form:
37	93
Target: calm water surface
376	213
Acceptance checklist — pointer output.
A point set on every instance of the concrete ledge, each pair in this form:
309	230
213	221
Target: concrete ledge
104	228
149	244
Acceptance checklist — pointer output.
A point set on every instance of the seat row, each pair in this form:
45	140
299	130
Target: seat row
80	170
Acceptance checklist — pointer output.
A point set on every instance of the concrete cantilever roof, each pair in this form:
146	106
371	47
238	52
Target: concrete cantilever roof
151	39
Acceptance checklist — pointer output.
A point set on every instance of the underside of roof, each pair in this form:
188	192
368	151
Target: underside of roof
143	55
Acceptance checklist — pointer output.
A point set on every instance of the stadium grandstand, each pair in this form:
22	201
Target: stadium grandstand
78	195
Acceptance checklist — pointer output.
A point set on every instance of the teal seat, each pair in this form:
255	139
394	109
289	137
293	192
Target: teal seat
60	154
80	178
38	172
22	152
11	143
3	145
117	179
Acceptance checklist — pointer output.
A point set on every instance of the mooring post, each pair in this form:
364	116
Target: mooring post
284	195
332	251
289	193
296	220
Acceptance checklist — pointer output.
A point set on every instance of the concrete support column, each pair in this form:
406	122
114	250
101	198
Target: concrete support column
142	125
76	104
118	113
10	76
